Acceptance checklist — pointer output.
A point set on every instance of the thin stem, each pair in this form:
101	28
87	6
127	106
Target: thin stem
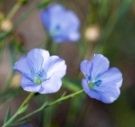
18	111
34	112
15	8
10	120
26	100
65	97
45	105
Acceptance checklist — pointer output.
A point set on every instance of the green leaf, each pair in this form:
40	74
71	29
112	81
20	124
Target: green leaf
8	115
3	35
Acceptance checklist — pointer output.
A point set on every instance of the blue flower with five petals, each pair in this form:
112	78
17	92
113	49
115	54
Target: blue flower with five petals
101	82
61	23
41	72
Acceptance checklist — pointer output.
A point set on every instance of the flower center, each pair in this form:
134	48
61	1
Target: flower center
57	27
92	84
55	30
37	80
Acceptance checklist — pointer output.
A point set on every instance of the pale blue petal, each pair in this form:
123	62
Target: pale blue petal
85	67
56	16
56	67
109	94
72	20
48	16
100	64
113	75
22	67
68	27
37	58
59	39
28	85
66	20
51	85
55	8
75	35
104	94
45	18
109	89
91	93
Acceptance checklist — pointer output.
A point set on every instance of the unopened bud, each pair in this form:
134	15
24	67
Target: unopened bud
15	81
92	33
6	25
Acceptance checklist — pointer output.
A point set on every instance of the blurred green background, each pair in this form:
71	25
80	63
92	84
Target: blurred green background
107	27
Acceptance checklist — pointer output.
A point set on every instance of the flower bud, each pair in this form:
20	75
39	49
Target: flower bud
15	81
92	33
6	25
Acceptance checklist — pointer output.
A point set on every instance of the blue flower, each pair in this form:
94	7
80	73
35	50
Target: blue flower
61	23
41	72
101	82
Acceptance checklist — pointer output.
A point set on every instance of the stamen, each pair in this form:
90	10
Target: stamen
37	80
98	82
92	84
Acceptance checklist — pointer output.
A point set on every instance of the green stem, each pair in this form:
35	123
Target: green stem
18	111
10	120
65	98
27	100
45	105
14	10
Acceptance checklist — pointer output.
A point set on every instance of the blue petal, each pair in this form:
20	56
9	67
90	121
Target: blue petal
74	36
55	8
51	86
109	94
91	93
28	85
113	75
22	66
56	15
60	38
45	18
56	67
37	58
47	15
85	67
69	27
109	90
72	21
100	64
64	37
